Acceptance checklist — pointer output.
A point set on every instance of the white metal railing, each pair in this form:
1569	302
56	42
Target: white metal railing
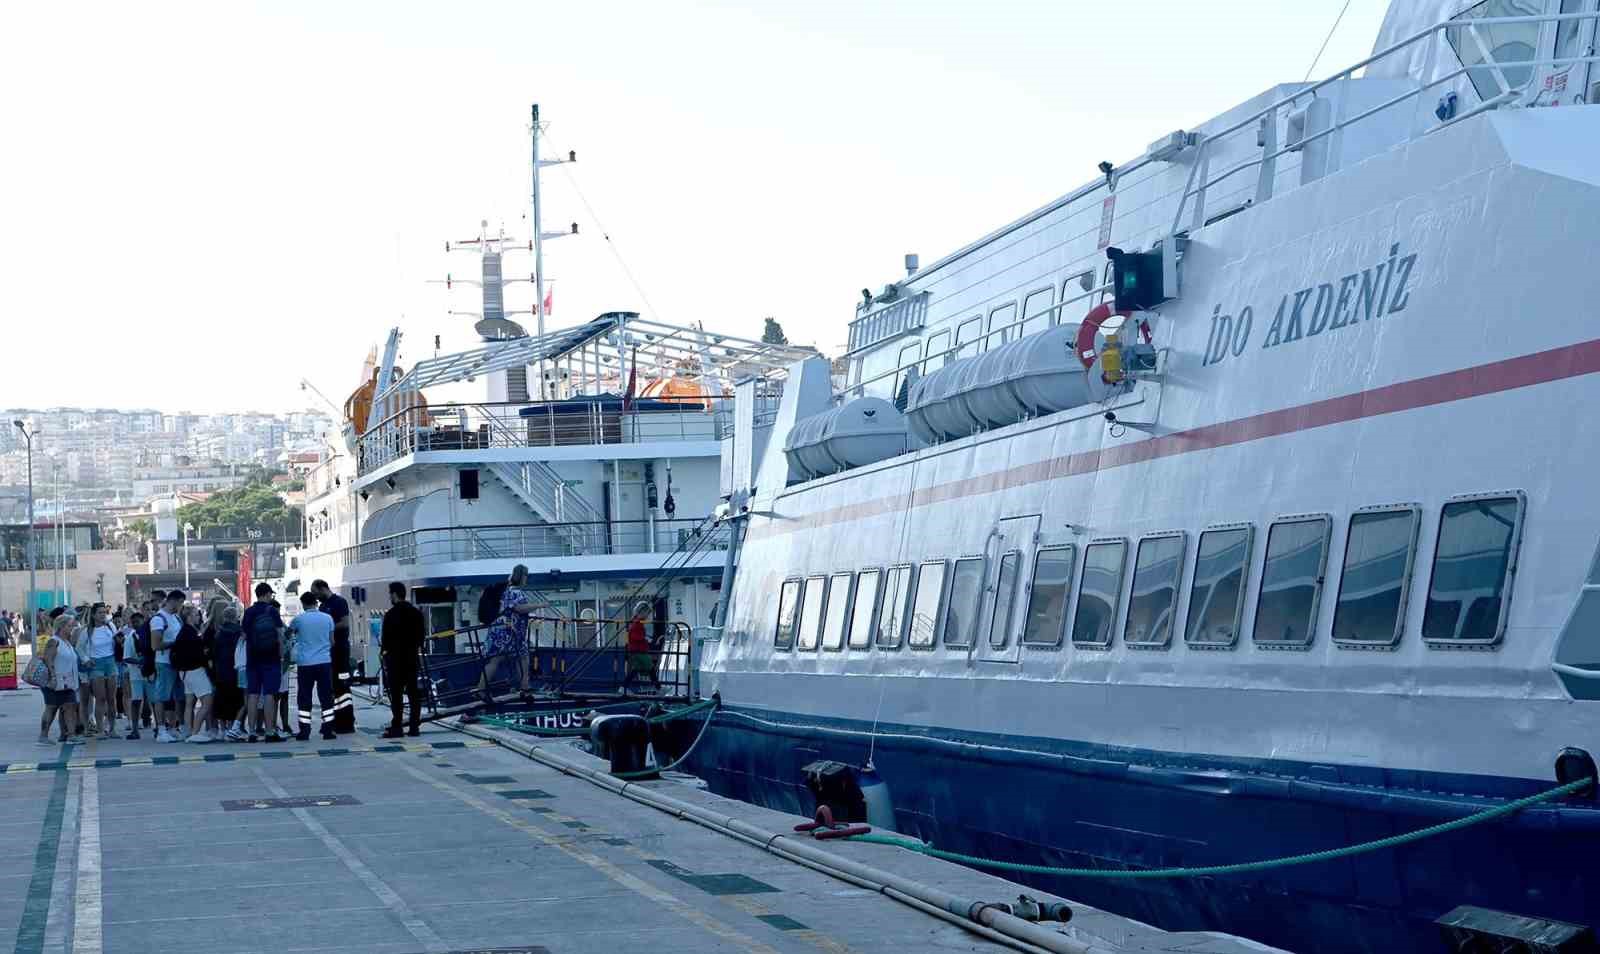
511	542
539	424
1201	180
1266	119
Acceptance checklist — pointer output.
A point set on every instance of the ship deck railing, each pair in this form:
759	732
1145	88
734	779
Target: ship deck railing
1209	195
509	543
574	422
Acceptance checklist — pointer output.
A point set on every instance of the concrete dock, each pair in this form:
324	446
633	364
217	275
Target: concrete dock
445	843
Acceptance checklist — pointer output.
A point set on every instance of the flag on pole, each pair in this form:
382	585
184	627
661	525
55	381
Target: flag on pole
548	295
633	380
246	569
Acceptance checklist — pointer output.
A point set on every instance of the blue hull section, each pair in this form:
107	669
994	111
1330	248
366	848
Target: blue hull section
1071	804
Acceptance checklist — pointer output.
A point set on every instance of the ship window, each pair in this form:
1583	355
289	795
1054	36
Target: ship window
1047	597
925	605
1378	550
810	625
1157	571
966	596
1216	597
864	609
967	335
836	618
1291	582
1000	320
788	609
1036	310
892	614
1005	597
1506	43
1098	592
1473	563
936	359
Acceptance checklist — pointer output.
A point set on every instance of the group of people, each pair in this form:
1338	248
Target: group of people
202	676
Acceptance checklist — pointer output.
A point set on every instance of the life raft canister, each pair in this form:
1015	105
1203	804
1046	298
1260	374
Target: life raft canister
1090	326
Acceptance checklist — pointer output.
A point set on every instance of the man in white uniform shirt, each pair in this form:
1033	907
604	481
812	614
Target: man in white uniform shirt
164	627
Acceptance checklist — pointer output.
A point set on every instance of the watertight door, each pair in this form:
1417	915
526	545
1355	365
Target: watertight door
1011	555
1568	83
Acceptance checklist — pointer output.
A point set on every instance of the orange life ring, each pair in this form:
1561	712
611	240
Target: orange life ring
1090	326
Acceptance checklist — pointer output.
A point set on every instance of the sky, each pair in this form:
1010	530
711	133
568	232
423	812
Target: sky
205	203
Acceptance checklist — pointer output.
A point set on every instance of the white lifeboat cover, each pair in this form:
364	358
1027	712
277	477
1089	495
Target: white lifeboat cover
862	432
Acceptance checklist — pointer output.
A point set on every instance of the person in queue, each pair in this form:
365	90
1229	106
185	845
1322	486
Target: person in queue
164	629
311	633
61	696
100	641
263	633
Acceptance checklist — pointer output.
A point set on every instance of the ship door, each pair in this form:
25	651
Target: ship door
1010	555
1570	83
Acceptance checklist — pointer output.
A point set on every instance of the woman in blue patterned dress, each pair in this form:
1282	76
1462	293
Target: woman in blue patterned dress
508	635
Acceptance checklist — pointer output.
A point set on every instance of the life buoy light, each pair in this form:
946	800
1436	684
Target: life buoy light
1090	326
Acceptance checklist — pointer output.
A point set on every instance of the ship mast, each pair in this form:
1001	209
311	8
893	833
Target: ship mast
539	236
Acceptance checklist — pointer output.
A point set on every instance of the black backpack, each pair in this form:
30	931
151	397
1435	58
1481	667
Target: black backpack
147	654
489	603
261	643
188	651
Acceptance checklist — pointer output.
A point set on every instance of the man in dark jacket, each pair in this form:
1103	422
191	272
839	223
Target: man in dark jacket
402	645
344	707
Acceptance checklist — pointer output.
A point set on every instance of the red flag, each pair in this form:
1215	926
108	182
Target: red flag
633	380
246	566
545	310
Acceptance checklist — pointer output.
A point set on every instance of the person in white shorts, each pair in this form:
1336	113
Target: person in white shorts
196	685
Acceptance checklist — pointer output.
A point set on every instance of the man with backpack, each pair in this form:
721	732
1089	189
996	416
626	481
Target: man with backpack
164	629
263	635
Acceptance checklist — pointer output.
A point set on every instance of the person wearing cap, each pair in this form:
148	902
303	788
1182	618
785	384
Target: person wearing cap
640	660
337	609
263	634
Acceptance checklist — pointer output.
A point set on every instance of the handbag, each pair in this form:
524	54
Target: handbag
37	673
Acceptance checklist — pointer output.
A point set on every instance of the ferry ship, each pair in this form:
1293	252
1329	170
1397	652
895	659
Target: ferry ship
1235	504
592	458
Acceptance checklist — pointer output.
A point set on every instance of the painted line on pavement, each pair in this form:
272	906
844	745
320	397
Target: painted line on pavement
63	765
36	909
87	926
55	922
397	906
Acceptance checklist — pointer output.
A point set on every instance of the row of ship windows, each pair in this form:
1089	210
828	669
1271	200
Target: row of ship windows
918	605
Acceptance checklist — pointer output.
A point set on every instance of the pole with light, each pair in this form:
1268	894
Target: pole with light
188	528
33	587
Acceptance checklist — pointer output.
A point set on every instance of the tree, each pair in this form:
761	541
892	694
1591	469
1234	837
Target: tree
256	504
772	333
141	530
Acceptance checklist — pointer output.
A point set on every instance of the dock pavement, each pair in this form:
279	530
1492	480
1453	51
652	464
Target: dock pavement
447	842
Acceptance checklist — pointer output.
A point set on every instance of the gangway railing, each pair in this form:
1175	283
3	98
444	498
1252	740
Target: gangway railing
472	679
